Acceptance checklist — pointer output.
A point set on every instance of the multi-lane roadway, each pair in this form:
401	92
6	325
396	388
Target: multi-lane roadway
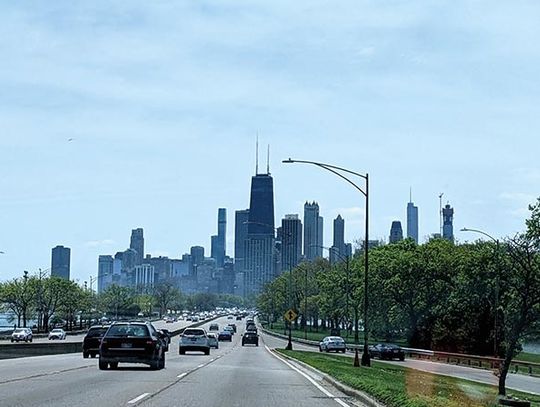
232	375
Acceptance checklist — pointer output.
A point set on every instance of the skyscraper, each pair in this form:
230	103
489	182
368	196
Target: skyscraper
197	258
412	221
137	244
313	236
339	249
105	272
60	262
241	219
291	242
218	241
448	222
396	232
259	266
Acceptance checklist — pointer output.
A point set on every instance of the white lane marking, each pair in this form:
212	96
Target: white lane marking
211	360
202	365
181	375
136	399
317	385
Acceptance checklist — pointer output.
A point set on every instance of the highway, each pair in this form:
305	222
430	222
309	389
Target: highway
230	376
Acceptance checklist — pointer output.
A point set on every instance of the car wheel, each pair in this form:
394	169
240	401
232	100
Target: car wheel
102	365
11	340
207	352
31	339
114	365
320	349
344	350
162	362
402	358
182	352
85	355
257	344
154	364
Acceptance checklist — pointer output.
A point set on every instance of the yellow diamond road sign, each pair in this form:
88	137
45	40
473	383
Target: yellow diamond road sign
290	315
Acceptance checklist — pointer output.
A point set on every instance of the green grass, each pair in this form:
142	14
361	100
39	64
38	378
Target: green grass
528	357
398	386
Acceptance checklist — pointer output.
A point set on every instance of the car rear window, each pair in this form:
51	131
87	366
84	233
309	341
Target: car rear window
194	332
96	332
128	330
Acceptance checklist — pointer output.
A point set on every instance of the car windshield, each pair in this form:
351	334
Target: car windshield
19	330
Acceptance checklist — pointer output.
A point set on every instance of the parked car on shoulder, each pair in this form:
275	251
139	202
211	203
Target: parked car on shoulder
132	342
57	333
387	351
21	334
332	343
194	339
250	338
92	340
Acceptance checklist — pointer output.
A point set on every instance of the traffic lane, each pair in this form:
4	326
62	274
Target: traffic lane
87	385
245	376
524	383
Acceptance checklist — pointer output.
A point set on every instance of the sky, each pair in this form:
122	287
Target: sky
123	114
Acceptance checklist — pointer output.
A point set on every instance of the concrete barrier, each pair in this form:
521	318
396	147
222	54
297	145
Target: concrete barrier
23	350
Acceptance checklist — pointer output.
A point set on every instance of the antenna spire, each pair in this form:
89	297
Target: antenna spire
257	155
268	161
410	194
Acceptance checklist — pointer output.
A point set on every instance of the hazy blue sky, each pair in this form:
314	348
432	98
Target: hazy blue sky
163	101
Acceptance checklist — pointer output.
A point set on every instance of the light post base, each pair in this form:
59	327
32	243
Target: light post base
366	359
356	359
289	344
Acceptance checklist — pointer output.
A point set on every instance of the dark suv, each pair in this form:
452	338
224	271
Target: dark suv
91	341
132	342
250	337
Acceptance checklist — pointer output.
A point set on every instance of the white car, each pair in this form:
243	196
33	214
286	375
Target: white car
332	343
213	340
194	339
57	333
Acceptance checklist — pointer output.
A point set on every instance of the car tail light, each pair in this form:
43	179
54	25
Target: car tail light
150	342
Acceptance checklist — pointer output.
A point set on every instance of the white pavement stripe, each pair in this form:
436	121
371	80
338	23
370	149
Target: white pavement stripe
181	375
136	399
201	365
317	385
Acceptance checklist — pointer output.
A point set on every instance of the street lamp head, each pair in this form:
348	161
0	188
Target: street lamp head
464	230
289	161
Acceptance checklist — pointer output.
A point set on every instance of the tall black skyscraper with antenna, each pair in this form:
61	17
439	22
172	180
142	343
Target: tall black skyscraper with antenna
259	248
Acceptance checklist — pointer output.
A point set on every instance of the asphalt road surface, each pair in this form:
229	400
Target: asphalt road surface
232	375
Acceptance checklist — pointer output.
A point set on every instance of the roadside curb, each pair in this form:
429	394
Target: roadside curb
349	391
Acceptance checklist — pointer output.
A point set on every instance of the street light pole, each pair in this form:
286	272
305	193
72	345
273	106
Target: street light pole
496	299
366	360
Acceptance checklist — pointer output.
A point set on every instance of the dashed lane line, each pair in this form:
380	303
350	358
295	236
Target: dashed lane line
137	399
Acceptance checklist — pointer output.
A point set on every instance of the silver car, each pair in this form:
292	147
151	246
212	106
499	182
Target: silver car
21	334
194	339
333	343
213	341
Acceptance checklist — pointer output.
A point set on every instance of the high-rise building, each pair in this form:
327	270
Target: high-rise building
448	222
217	251
137	244
412	221
291	242
197	258
60	262
339	248
105	272
396	232
240	235
259	260
313	231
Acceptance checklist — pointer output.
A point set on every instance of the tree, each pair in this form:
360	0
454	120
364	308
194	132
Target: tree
18	296
116	300
165	294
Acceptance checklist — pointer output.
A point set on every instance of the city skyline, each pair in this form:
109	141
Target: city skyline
154	124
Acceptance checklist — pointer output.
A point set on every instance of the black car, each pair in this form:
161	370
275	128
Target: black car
132	342
251	338
387	351
233	327
91	341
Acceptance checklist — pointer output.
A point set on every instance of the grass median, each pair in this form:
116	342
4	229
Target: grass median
398	386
